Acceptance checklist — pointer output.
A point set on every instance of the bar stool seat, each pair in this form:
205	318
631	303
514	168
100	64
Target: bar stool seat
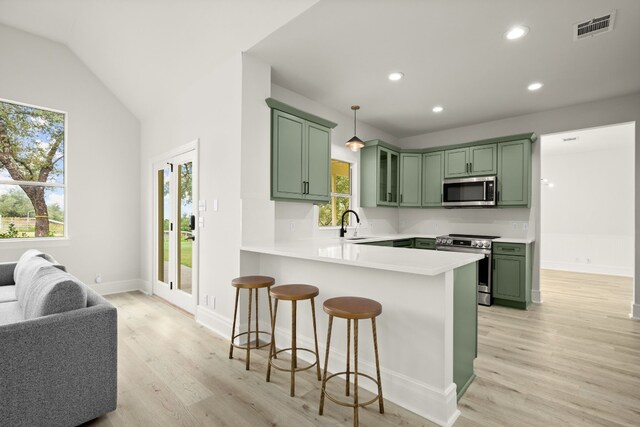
293	293
250	283
352	309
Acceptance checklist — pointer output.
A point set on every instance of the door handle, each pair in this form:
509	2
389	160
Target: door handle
192	238
192	224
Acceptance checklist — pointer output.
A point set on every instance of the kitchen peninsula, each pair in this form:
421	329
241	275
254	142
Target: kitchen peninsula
427	332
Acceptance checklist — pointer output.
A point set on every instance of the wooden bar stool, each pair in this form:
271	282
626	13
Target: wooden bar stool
250	283
293	293
352	308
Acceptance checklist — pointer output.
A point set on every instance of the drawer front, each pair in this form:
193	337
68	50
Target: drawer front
404	243
519	249
425	243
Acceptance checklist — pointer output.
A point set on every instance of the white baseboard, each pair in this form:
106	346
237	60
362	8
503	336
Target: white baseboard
439	406
213	321
536	296
108	288
611	270
635	311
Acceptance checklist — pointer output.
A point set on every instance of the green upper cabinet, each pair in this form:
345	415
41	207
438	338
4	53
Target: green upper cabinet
432	176
379	175
300	155
514	173
410	179
471	161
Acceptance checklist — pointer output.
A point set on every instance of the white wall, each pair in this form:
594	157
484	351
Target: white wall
599	113
102	153
587	203
299	220
209	110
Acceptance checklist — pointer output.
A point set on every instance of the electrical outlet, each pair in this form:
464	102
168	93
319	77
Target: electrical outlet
525	226
292	226
98	278
514	225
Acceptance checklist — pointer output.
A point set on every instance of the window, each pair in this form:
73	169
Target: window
330	214
32	172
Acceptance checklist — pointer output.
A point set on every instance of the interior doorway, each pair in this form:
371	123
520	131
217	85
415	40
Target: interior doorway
175	229
587	214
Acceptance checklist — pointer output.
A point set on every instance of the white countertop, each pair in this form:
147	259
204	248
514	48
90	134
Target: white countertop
525	240
342	251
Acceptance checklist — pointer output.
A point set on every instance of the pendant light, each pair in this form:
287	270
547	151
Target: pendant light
355	143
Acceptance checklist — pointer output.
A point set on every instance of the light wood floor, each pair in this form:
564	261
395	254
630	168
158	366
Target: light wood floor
574	360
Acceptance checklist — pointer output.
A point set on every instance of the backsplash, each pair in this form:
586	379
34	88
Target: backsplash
491	221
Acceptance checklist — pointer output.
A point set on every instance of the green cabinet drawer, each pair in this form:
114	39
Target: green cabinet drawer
517	249
404	243
380	243
425	244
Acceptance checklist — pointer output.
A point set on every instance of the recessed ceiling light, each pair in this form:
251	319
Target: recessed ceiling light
438	109
534	86
516	32
394	77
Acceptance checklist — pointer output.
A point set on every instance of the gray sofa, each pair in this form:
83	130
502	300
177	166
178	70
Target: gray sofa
58	346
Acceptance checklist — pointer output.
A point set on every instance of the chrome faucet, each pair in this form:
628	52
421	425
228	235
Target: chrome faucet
343	229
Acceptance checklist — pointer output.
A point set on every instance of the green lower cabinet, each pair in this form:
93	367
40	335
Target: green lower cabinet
465	325
514	173
388	243
511	275
432	176
429	244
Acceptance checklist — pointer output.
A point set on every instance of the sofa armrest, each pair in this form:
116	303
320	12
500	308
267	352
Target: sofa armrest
6	273
59	369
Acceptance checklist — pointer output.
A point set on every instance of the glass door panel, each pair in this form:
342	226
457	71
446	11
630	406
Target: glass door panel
164	223
187	225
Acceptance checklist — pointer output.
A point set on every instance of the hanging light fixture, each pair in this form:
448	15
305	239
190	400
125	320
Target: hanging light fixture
355	143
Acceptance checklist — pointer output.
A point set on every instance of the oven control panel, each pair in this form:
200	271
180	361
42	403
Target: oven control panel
465	243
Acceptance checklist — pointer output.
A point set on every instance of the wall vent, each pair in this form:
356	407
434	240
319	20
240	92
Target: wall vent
571	138
593	27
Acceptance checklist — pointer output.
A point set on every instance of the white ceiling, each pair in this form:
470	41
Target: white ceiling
453	53
146	51
617	137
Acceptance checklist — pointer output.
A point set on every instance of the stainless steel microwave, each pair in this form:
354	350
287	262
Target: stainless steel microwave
479	191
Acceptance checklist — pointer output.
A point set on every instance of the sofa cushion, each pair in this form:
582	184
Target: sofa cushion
53	291
7	293
10	312
25	279
25	257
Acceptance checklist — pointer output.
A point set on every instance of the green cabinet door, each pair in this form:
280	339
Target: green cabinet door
318	161
287	156
483	160
388	177
514	173
509	275
432	176
410	179
456	163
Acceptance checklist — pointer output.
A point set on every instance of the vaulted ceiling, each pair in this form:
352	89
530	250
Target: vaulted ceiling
147	51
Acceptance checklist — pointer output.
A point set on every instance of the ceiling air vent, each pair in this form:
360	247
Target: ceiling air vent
593	27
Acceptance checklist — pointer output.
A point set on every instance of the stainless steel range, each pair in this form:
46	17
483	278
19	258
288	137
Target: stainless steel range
474	244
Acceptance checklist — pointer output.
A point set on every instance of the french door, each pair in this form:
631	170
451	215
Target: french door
176	237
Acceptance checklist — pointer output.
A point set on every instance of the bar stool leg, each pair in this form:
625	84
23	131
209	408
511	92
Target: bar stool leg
257	317
272	348
348	355
271	317
326	363
375	348
233	328
293	349
355	372
315	336
249	331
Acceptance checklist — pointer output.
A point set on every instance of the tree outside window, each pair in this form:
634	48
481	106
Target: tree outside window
32	184
330	214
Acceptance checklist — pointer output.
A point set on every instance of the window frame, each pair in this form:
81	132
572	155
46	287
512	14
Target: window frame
28	240
332	194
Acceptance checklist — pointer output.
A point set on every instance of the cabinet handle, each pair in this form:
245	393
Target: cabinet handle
401	198
389	197
508	249
307	185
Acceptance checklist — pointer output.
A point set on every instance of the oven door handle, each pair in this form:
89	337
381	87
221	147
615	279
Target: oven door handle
484	191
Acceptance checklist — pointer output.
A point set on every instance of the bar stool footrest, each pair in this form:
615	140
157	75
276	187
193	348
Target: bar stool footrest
244	346
342	402
288	369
